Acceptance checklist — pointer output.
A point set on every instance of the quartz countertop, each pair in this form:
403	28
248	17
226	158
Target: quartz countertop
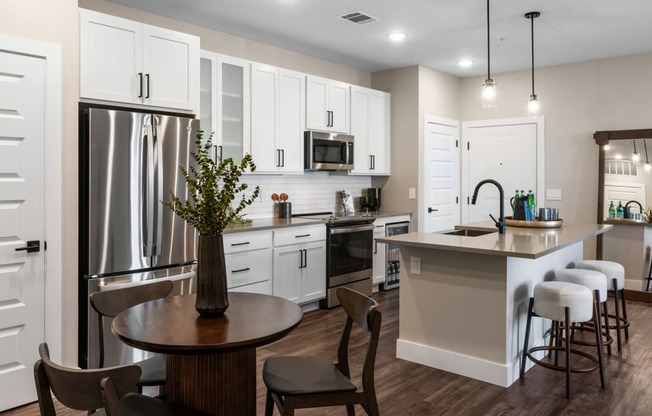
271	223
516	242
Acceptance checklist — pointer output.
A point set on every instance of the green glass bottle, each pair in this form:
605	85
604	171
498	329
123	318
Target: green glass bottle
612	210
620	212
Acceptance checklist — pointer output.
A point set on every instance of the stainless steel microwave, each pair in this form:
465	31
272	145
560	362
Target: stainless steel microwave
328	151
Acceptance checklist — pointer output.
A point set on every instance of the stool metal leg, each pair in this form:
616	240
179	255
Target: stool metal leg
598	337
622	300
527	336
568	367
606	326
620	343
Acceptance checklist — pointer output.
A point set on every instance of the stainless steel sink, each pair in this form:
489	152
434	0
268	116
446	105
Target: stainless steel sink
470	232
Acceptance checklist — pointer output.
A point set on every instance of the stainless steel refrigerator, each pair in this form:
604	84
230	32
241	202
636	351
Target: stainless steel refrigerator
129	163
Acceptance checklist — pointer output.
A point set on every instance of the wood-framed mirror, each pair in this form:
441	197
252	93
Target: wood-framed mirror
623	178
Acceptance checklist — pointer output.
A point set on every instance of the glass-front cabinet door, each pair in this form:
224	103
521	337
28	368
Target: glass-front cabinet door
225	104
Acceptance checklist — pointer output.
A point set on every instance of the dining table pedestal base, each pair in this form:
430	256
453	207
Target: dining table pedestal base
227	380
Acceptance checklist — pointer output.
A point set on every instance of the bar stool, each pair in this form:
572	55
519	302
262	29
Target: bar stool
597	283
615	273
564	302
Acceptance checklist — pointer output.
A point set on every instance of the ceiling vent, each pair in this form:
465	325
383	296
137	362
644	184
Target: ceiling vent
359	18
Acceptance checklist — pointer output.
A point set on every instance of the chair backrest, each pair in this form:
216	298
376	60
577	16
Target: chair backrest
111	302
363	311
78	389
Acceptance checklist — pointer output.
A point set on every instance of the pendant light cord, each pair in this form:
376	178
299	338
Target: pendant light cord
645	145
532	36
488	45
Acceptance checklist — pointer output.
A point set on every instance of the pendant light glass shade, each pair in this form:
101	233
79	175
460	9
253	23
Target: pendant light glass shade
533	105
489	86
489	93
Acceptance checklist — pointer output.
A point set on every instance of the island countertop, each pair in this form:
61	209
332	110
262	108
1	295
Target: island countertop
529	243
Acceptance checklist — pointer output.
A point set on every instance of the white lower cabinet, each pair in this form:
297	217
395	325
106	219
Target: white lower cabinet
248	257
300	263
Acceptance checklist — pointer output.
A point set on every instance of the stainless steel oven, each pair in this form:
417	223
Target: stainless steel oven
349	255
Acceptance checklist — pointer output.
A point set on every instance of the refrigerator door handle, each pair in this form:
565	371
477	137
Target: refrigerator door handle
158	197
148	191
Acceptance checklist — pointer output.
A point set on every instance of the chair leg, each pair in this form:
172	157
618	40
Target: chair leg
527	336
622	301
288	407
269	404
616	290
568	372
606	324
350	410
372	406
598	338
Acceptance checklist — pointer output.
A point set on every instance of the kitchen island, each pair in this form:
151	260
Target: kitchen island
463	300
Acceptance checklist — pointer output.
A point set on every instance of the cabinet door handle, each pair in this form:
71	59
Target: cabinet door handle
278	158
332	119
240	244
305	258
241	270
147	79
283	158
140	85
373	162
375	246
300	259
302	235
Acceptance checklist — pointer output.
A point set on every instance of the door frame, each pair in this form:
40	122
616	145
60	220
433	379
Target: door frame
541	156
51	54
421	212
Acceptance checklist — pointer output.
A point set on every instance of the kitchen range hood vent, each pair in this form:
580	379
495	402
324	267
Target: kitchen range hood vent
359	18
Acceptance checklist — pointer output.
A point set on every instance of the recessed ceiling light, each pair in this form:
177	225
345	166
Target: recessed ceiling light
465	63
397	36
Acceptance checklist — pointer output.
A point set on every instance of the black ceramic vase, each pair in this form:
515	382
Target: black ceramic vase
212	298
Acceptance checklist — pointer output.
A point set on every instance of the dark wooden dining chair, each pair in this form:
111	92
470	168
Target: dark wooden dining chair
302	382
78	389
134	404
111	391
111	302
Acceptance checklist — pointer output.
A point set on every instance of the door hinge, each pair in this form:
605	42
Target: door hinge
468	146
457	199
45	245
457	143
467	201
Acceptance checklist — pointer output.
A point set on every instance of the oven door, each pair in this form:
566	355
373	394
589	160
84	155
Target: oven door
350	253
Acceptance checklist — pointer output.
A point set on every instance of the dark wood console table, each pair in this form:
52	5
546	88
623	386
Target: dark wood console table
211	362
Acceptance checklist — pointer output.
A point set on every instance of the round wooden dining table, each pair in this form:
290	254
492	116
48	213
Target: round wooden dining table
211	362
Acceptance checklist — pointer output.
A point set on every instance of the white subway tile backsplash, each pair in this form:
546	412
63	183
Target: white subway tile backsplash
310	192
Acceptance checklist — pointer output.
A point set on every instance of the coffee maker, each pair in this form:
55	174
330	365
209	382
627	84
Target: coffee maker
373	199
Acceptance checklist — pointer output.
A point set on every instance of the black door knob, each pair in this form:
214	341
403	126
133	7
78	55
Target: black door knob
33	246
431	209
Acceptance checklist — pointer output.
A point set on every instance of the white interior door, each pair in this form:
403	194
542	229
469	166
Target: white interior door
510	152
22	213
439	205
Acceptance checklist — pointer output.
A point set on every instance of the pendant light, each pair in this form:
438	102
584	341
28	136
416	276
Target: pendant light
635	156
489	86
533	105
647	167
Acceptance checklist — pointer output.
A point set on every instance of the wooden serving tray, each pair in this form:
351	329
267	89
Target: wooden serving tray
510	222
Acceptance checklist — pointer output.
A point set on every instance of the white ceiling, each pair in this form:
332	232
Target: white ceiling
440	32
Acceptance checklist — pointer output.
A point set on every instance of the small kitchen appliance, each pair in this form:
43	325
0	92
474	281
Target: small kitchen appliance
373	199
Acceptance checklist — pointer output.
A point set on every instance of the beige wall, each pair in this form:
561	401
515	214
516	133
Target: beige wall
577	100
57	22
239	47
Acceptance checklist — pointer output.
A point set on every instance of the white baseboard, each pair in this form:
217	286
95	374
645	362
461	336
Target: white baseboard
502	375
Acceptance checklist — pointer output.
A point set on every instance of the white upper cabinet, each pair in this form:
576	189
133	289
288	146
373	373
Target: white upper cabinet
370	126
277	119
327	105
134	63
225	104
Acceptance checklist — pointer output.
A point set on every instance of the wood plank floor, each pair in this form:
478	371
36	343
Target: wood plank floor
407	389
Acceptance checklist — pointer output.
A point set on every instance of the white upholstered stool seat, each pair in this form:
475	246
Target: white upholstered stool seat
597	283
615	273
563	302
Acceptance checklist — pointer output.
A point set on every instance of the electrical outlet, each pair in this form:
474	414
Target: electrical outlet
415	265
412	193
553	194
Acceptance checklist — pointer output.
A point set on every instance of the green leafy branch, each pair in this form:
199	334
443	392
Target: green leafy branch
212	188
